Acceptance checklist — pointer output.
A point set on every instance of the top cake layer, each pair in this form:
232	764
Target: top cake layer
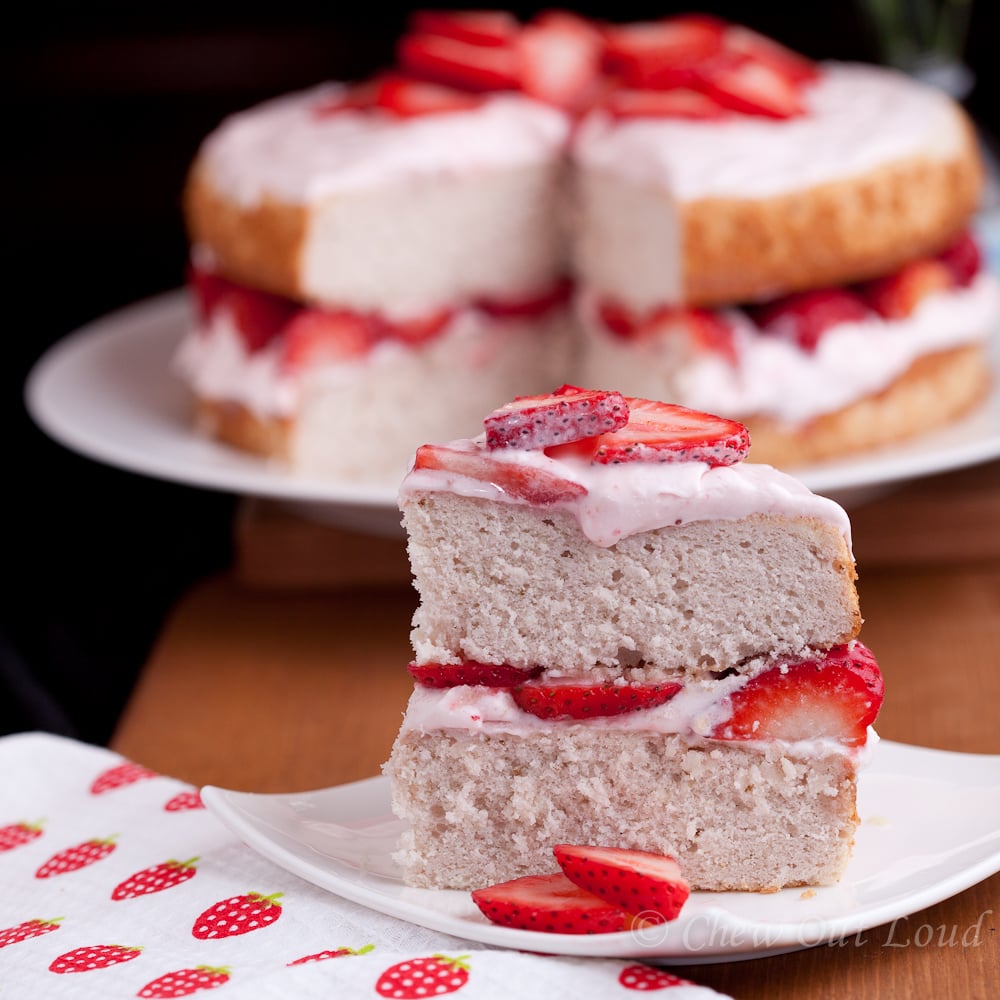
684	561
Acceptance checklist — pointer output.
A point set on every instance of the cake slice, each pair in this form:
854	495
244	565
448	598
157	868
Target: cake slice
632	638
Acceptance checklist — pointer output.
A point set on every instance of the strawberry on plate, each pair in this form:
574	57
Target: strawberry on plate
536	486
898	295
836	695
446	675
804	317
664	432
565	700
440	59
550	903
648	886
567	414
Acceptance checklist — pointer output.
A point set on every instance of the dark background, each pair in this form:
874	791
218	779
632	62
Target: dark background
104	105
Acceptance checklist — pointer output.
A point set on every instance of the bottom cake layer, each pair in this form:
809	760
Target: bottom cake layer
487	808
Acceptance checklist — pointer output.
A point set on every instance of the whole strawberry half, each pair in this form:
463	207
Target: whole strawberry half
155	879
835	695
423	977
78	856
119	776
549	903
322	956
27	929
664	432
963	258
471	672
533	485
646	977
16	834
567	414
184	982
237	915
98	956
648	886
589	701
898	295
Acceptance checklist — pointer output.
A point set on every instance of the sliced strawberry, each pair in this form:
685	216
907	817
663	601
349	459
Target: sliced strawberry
459	64
751	87
709	331
804	317
792	65
477	27
836	695
548	903
661	54
534	486
418	330
568	414
406	98
589	701
646	885
963	258
208	289
680	102
356	97
318	336
617	318
560	56
897	295
446	675
666	432
258	316
537	305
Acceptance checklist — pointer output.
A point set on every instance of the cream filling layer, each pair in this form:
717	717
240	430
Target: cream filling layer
693	712
774	377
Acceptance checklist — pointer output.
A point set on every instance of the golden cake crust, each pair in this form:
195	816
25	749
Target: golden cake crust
736	250
234	424
257	245
934	391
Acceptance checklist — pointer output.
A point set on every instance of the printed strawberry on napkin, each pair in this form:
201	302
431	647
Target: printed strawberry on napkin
117	882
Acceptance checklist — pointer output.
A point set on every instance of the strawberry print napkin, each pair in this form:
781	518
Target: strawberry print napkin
117	882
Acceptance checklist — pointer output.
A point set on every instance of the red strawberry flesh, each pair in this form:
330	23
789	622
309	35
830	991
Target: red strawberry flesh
589	701
648	886
963	258
532	485
804	317
665	432
565	415
550	903
835	695
470	672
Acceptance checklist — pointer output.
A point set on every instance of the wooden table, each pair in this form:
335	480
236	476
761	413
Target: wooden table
289	674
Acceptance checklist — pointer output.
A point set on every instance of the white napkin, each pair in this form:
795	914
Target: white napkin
117	882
